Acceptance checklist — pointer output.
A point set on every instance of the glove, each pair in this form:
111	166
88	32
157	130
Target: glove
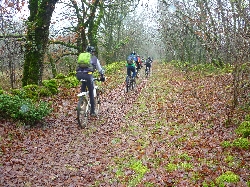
102	78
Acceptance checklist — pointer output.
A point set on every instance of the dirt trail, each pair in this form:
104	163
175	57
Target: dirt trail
170	129
61	154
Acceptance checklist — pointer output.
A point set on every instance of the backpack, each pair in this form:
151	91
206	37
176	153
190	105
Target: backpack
148	62
84	60
130	59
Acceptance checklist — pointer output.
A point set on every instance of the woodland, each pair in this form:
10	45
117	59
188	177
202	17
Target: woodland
187	124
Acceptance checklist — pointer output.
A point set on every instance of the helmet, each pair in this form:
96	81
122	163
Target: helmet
138	55
90	49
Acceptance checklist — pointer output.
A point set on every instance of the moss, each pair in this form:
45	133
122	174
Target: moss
228	177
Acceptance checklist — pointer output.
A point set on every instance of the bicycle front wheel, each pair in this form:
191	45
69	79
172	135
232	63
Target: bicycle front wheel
82	112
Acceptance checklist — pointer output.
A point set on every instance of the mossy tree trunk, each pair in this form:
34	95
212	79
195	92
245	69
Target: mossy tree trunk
37	39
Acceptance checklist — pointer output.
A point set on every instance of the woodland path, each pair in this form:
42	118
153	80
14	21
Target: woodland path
61	154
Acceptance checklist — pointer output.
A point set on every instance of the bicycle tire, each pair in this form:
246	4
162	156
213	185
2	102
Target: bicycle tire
147	72
133	85
127	84
82	112
97	101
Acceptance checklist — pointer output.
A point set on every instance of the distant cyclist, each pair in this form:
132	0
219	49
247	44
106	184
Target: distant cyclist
131	60
148	64
138	63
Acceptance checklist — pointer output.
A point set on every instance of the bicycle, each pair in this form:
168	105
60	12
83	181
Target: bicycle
137	69
83	105
147	72
130	83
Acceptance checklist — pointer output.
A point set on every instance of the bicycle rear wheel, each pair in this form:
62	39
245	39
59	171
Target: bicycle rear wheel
146	72
133	85
82	112
97	101
128	84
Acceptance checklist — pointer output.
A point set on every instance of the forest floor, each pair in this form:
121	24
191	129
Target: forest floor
169	132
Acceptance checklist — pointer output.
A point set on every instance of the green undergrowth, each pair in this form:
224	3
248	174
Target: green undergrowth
242	142
24	104
24	110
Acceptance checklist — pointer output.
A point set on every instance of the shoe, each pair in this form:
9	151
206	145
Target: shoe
93	114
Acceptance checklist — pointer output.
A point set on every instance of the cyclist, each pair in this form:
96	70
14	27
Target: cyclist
148	64
138	63
131	64
87	73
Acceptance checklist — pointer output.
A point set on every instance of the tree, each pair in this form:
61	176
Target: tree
90	18
11	43
219	29
37	39
112	35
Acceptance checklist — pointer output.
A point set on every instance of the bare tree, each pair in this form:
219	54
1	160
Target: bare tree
11	43
218	29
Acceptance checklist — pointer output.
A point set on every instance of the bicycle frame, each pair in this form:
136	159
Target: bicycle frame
83	105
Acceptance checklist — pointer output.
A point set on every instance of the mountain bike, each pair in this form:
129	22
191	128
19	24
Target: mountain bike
83	105
130	83
147	71
138	71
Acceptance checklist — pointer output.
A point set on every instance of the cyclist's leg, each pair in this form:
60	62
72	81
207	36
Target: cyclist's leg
129	70
79	76
134	72
90	84
84	84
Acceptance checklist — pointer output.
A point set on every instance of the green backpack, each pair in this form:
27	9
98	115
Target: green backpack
84	60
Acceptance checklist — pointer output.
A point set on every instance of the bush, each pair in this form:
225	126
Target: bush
72	74
19	92
114	67
51	86
241	143
244	129
1	91
23	109
70	82
31	91
60	76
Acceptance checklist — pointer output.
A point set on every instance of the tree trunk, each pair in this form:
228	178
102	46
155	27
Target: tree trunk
37	40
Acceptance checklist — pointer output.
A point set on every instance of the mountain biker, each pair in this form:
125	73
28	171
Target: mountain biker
148	64
131	64
138	63
87	73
